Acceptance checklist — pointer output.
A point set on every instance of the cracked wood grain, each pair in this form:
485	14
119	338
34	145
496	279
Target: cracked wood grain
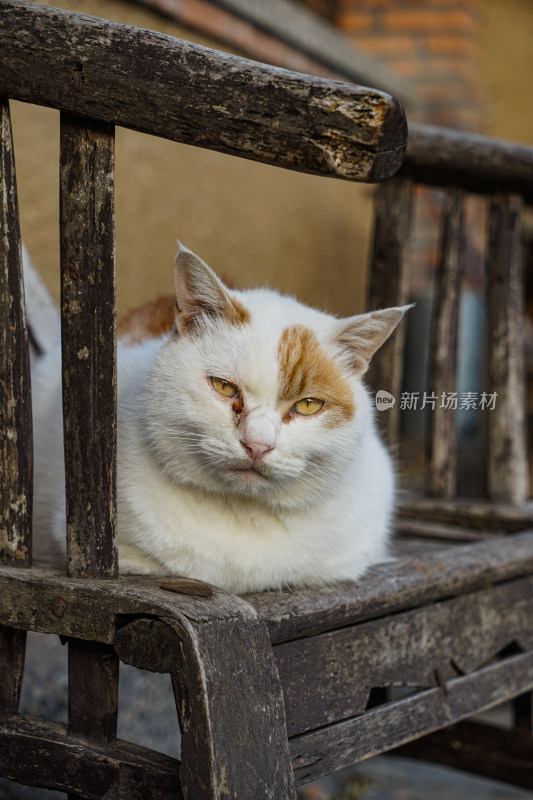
181	91
37	752
15	401
89	344
16	451
389	286
441	446
508	475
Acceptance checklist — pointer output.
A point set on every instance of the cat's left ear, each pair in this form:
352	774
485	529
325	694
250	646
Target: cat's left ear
358	338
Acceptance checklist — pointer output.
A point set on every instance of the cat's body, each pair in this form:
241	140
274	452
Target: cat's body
248	456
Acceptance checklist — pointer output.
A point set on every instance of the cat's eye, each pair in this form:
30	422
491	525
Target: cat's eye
308	406
224	387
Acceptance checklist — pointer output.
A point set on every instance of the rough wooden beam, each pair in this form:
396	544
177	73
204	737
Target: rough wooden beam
16	452
329	677
508	473
42	753
181	91
89	344
446	157
333	747
389	286
388	588
441	445
42	601
479	514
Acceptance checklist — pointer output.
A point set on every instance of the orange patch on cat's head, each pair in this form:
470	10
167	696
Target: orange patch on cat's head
305	370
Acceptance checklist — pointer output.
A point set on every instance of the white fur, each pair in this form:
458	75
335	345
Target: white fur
319	512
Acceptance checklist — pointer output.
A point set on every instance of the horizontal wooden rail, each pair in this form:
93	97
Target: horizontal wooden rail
39	600
333	747
389	588
181	91
41	753
446	157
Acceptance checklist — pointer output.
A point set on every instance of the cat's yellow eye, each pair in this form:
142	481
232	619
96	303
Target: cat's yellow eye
308	406
224	387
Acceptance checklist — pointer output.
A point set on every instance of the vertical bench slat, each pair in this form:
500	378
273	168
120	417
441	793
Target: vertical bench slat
389	286
88	341
93	690
441	445
16	452
507	468
15	406
89	400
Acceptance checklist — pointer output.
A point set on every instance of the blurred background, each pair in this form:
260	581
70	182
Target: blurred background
462	63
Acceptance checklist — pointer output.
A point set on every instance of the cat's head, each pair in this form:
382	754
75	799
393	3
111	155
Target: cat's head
258	395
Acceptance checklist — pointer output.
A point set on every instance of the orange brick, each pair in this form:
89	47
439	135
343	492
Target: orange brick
355	22
451	45
386	45
430	21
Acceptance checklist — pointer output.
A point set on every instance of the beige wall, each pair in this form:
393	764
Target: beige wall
253	223
507	68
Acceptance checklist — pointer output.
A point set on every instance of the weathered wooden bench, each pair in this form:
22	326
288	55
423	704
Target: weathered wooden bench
276	689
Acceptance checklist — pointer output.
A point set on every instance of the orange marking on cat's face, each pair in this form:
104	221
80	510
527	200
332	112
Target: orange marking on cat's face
305	370
148	321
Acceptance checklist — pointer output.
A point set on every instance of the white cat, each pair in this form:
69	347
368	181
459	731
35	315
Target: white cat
248	455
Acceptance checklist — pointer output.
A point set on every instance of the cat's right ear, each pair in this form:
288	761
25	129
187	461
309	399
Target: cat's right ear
200	293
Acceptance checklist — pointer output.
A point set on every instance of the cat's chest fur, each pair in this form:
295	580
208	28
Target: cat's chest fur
247	453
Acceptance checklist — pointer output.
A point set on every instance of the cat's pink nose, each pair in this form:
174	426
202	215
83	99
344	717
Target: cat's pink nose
256	450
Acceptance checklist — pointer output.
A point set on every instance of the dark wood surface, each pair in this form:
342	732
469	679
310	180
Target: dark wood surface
88	320
389	286
12	651
473	513
89	608
496	753
231	711
182	91
508	474
16	450
329	677
42	753
15	399
441	156
389	588
523	712
336	746
93	690
441	451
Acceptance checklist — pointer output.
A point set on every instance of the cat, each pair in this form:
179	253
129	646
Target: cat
248	456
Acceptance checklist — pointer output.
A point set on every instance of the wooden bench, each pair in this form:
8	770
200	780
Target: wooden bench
275	689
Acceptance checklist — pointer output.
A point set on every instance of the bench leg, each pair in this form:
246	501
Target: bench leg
231	712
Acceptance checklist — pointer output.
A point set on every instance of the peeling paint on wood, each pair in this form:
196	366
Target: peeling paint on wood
192	94
89	344
15	399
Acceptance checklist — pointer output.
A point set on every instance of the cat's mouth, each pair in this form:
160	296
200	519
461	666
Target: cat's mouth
250	473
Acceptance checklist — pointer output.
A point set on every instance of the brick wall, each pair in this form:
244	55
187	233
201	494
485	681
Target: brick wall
433	43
